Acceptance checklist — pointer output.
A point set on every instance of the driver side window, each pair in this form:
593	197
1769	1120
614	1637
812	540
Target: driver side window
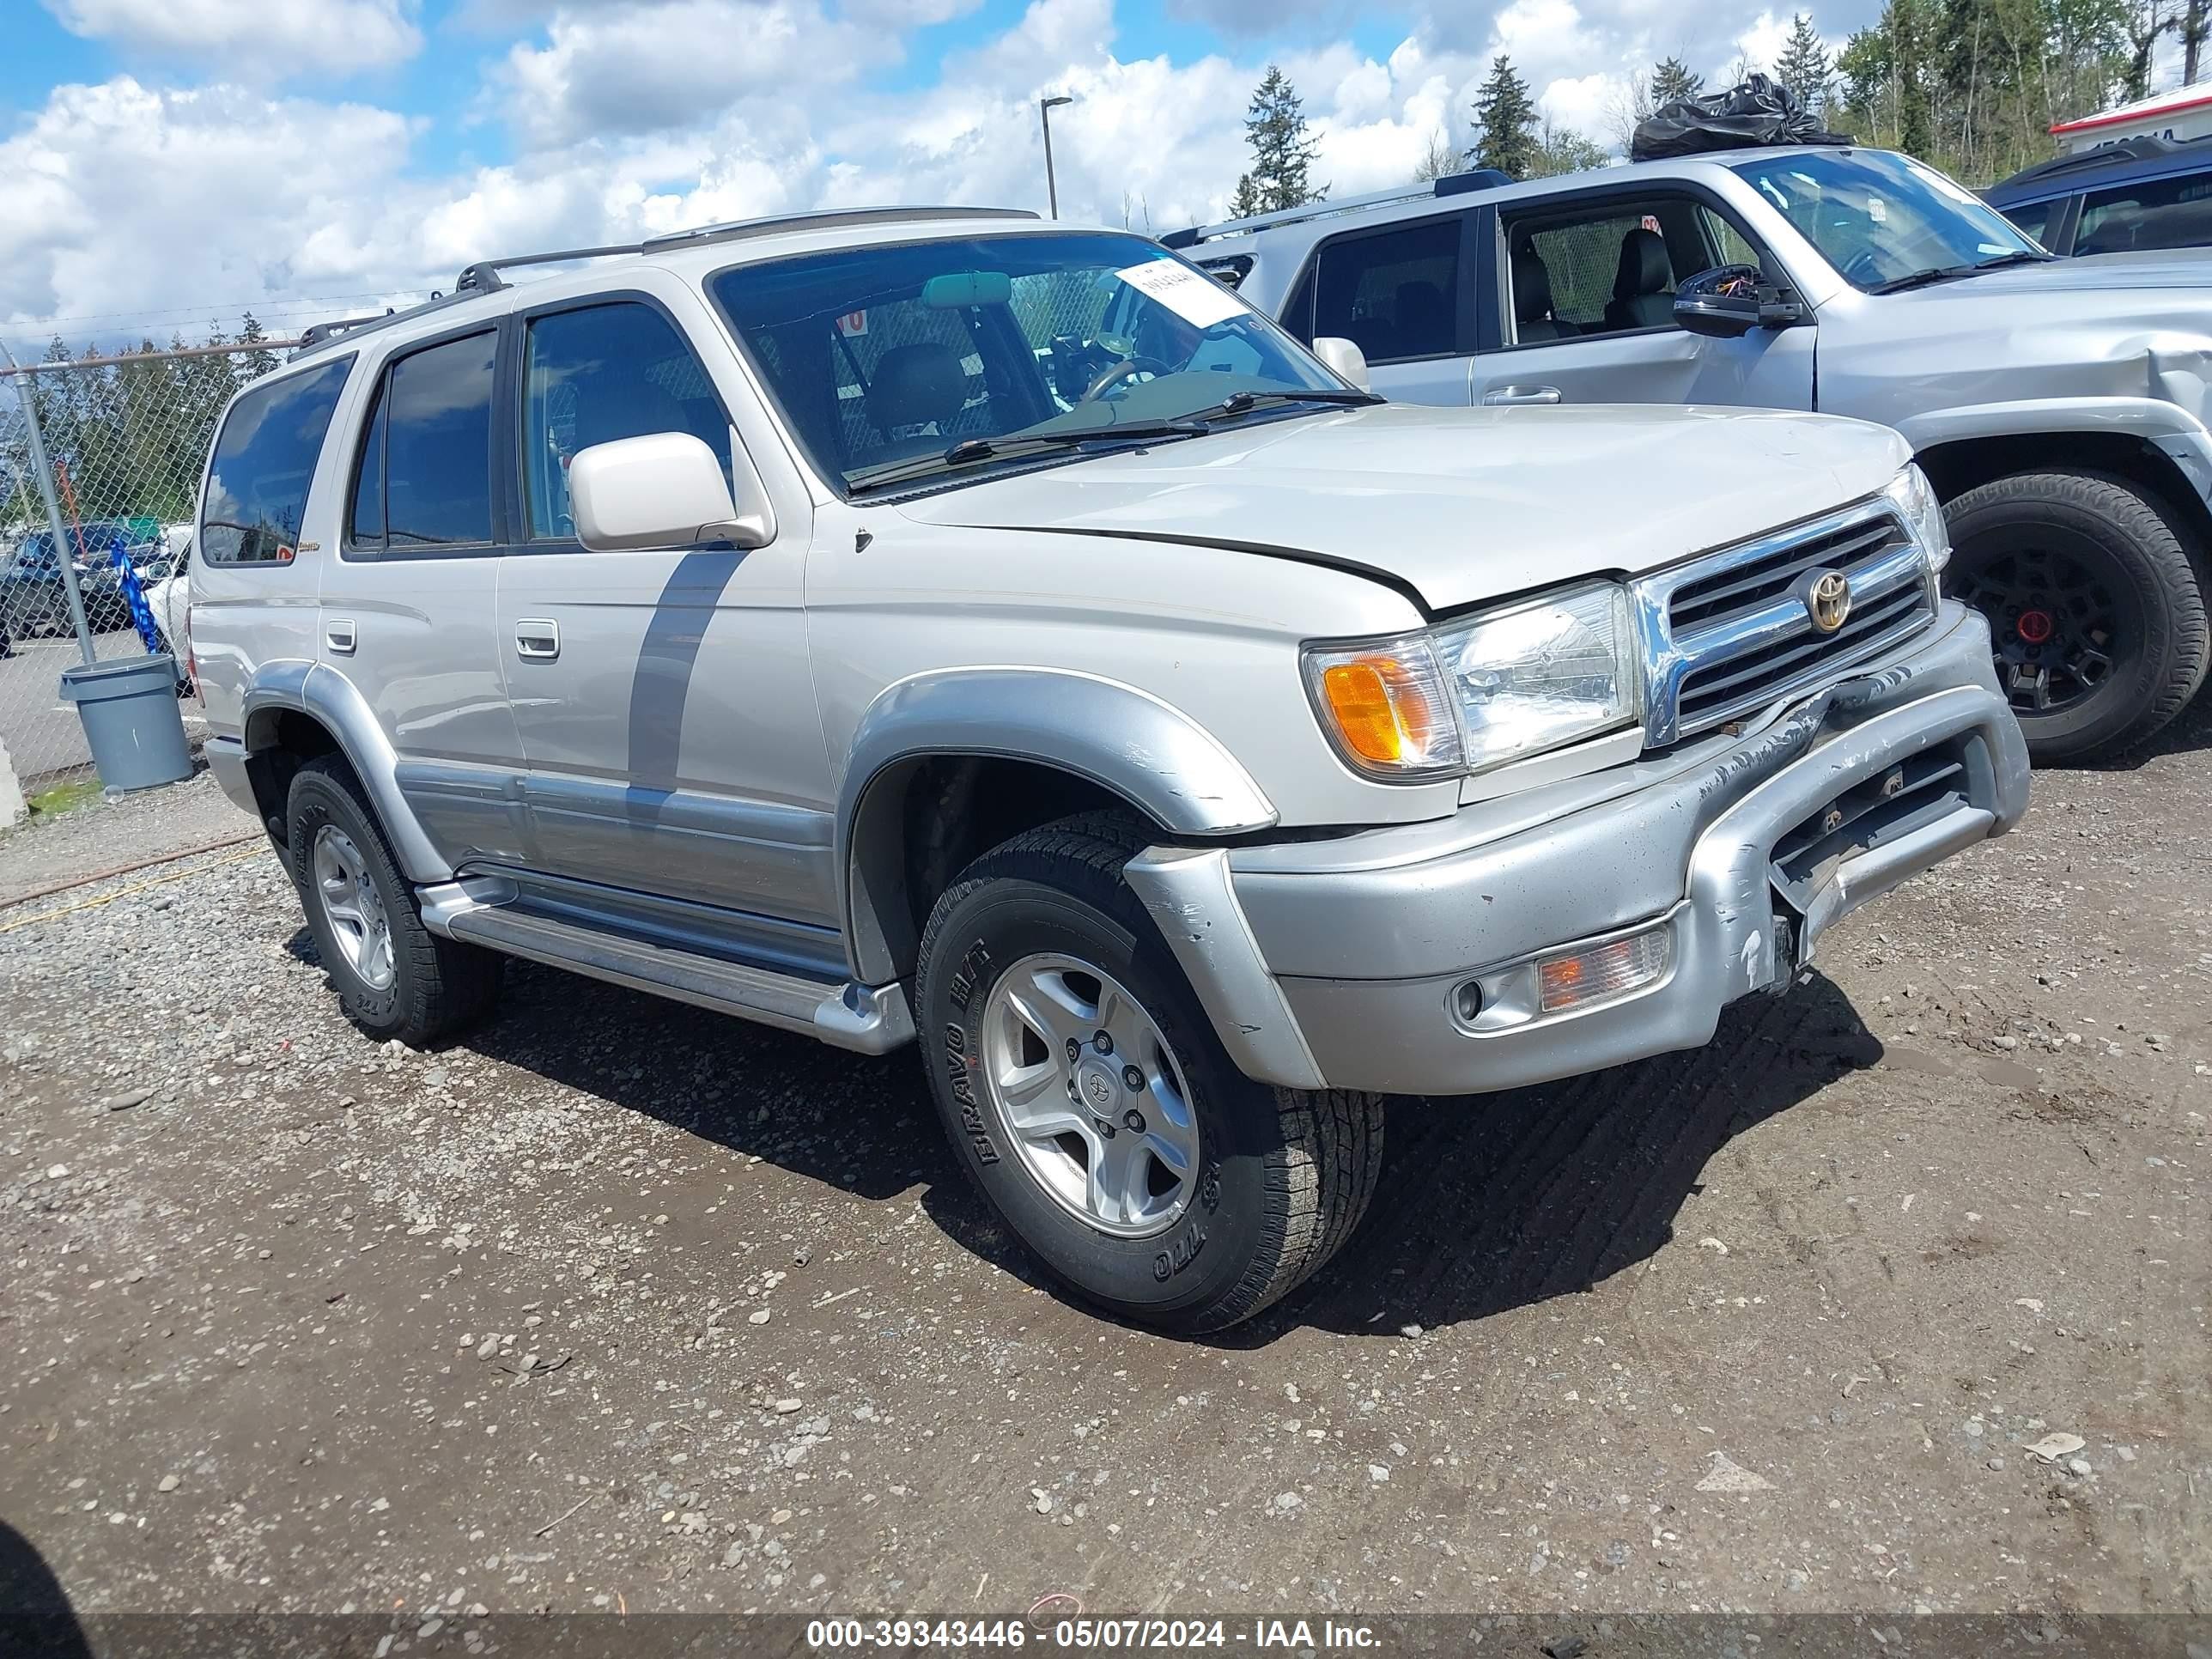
598	373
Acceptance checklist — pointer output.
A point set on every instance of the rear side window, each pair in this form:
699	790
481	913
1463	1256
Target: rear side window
423	477
264	457
2164	212
1394	294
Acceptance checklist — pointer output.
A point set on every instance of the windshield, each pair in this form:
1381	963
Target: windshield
1878	217
884	357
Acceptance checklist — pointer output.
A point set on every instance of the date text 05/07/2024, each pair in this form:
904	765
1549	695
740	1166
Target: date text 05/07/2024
1093	1635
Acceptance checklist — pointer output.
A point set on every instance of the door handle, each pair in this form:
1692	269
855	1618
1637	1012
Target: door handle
1521	394
536	638
339	634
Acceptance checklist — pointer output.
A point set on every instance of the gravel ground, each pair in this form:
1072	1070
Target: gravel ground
1893	1298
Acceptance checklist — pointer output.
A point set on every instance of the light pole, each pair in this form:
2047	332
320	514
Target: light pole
1045	107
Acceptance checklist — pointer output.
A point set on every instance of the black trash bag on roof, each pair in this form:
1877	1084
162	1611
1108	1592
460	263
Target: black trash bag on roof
1759	110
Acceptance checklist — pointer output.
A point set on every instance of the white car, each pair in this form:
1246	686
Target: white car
1180	745
170	597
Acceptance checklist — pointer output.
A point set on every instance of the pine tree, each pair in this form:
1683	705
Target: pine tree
1505	123
1673	84
1282	151
256	363
1803	66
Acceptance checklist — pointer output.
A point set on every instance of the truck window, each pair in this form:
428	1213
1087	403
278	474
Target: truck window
435	412
598	374
1393	294
2033	218
2161	213
265	457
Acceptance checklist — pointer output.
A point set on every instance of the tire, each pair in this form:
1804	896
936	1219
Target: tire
422	987
1273	1180
2139	583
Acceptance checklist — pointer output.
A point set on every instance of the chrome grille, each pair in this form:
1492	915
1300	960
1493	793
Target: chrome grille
1728	633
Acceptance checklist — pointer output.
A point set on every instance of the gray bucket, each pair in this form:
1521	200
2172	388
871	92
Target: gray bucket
131	721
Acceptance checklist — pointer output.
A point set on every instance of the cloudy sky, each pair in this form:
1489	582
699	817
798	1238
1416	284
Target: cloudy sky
166	163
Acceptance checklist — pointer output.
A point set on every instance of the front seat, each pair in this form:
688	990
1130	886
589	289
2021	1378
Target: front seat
1532	298
1643	284
915	385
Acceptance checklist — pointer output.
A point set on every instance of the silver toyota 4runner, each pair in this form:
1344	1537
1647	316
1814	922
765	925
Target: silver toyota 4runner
940	624
2058	407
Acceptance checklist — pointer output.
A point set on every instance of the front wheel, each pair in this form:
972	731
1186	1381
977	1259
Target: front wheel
2096	613
1089	1098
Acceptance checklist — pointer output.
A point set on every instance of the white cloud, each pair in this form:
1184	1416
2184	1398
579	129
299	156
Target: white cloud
607	71
123	197
633	117
272	37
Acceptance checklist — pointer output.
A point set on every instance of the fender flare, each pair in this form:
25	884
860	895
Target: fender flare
1122	739
2152	419
297	686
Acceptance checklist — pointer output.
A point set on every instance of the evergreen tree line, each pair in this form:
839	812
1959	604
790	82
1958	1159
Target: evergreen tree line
1971	86
133	437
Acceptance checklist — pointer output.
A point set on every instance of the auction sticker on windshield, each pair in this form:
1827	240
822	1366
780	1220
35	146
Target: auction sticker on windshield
1197	299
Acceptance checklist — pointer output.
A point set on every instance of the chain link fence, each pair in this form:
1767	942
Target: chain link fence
125	436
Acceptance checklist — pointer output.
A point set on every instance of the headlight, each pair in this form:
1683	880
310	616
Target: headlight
1912	495
1476	694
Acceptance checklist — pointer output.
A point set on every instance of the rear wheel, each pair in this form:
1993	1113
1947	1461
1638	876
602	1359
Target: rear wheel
1089	1098
394	977
2096	613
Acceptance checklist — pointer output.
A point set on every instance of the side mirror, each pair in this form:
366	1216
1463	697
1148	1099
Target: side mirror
1729	301
665	489
1349	361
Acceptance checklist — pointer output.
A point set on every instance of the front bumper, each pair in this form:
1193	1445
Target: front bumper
1345	962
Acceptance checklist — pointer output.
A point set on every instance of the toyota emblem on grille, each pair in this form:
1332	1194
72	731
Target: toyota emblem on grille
1828	601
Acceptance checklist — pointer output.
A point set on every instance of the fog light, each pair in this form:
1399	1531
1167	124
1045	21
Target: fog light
1603	971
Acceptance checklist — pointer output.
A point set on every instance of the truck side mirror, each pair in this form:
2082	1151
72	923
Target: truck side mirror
664	489
1729	301
1347	359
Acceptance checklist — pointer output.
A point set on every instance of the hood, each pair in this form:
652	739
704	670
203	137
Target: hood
1460	505
2180	267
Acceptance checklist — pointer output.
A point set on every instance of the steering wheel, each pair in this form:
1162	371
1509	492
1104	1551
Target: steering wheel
1115	374
1864	268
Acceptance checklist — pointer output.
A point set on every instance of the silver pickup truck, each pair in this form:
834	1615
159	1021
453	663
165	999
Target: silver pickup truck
937	624
2058	407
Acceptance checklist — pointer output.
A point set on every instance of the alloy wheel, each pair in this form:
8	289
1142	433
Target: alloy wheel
352	907
1090	1094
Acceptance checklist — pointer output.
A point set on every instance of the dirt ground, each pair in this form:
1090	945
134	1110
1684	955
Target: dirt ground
617	1304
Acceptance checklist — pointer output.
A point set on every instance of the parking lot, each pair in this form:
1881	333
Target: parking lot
1894	1298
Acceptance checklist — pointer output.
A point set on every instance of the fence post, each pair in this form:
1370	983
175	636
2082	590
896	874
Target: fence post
62	545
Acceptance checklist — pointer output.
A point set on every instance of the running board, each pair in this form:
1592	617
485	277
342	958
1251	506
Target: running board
870	1019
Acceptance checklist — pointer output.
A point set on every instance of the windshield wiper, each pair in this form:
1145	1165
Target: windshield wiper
992	449
2026	256
1947	273
1239	403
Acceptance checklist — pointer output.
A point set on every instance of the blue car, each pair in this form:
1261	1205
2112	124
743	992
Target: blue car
2147	192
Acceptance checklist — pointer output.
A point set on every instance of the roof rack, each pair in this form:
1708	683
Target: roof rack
1452	184
2144	147
483	275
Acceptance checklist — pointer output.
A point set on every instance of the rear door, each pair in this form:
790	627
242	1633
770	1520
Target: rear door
408	607
1401	293
1584	314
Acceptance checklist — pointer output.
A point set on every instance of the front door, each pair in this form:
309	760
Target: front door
408	605
665	710
1587	310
